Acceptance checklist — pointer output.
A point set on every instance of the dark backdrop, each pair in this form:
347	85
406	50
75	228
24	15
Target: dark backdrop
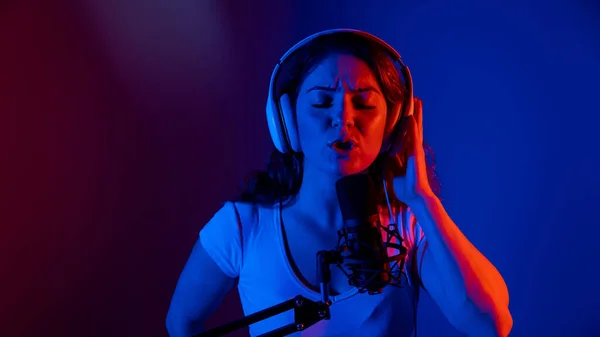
125	124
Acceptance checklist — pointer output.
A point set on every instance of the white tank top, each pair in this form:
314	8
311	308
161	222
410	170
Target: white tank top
246	242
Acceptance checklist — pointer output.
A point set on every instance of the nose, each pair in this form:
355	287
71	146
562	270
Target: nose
344	117
338	123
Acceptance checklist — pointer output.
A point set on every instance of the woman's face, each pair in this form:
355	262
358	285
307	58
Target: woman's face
341	116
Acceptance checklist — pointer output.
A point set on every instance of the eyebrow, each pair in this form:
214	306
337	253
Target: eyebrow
364	89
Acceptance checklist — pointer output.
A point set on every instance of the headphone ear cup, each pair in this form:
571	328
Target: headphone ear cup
290	127
393	122
276	129
393	118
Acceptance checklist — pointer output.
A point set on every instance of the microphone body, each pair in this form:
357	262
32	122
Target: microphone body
361	241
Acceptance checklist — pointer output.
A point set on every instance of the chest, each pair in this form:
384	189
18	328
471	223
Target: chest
273	249
302	247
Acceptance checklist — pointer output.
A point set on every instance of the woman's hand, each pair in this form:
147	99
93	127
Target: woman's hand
412	184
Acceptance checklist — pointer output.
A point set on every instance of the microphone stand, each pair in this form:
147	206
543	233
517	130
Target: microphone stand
306	312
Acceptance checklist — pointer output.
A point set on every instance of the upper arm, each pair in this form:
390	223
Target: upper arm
199	291
209	273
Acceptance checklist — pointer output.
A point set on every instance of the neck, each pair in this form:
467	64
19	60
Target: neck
317	198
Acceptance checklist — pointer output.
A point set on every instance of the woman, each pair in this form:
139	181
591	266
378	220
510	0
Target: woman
342	95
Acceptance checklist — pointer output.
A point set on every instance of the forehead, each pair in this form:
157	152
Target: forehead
342	70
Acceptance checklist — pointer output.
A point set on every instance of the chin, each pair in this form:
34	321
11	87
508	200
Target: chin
345	168
338	167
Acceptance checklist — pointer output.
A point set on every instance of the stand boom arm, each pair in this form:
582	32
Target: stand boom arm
306	312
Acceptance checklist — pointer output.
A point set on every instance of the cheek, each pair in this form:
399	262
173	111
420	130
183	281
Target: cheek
310	128
310	118
374	131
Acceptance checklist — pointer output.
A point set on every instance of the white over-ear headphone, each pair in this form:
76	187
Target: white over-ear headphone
280	112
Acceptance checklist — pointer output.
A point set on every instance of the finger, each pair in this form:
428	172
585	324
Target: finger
419	117
411	141
421	120
411	107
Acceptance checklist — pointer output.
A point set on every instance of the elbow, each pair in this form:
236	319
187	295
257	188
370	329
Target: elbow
177	326
503	321
496	322
172	325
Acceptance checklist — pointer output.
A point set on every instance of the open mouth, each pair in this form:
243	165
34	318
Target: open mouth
342	146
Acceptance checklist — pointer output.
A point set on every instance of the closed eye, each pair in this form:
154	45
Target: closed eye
366	107
357	105
362	102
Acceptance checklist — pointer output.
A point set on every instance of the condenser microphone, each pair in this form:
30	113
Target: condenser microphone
361	244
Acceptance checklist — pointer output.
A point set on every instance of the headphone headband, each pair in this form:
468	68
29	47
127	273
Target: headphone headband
391	51
281	118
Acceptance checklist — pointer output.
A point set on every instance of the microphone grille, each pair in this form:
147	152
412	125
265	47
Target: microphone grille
357	196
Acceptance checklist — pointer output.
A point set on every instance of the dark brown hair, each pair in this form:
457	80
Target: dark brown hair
281	180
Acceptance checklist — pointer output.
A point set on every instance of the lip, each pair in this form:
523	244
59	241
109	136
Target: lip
343	140
342	151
